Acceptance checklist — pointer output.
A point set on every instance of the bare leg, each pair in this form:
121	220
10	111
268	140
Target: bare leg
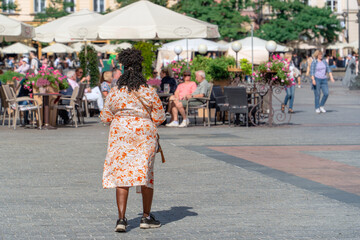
299	80
122	194
147	197
174	114
181	109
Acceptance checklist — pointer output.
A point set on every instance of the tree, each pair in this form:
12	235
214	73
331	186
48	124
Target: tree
89	65
295	20
221	14
123	3
56	9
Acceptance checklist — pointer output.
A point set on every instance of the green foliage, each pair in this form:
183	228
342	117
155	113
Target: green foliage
293	20
246	66
9	6
200	63
218	68
221	14
123	3
55	9
148	51
10	76
215	69
89	64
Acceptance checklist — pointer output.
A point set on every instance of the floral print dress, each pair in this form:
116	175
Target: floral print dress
132	137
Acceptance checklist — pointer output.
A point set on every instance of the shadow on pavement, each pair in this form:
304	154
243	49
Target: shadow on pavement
166	216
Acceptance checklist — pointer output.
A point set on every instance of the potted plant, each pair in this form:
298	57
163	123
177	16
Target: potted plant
9	77
274	72
50	79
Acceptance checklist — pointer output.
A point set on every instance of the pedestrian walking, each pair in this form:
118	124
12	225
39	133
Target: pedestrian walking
290	89
134	111
350	72
319	69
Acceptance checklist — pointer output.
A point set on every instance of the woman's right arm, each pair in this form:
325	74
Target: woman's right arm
106	114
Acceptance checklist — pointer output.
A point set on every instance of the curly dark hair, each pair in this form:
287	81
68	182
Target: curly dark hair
132	78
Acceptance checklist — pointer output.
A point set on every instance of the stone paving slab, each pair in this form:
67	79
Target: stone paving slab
50	182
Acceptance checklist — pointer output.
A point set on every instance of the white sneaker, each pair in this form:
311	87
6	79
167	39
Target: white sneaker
173	124
299	86
184	123
317	110
322	109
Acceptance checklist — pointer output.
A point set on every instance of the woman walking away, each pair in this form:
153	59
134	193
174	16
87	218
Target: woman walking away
132	138
319	68
290	90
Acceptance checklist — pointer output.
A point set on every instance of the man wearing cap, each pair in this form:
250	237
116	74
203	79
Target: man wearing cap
24	66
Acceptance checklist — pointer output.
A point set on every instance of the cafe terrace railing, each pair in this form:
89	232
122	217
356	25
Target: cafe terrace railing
264	94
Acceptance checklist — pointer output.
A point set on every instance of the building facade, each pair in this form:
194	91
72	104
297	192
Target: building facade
346	11
27	9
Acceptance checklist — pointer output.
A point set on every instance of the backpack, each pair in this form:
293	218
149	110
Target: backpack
39	63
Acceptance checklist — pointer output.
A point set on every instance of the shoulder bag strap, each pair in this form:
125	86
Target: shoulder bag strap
158	136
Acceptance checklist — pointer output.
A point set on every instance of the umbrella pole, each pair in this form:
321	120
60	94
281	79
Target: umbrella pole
252	49
187	52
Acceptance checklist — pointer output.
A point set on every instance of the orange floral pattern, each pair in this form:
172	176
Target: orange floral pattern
132	137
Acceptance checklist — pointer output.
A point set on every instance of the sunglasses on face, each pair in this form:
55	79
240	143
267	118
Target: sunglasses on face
187	75
81	72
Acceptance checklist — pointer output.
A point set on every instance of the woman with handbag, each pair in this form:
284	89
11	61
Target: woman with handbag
134	111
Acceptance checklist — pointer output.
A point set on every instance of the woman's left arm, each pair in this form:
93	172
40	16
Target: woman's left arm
328	69
106	114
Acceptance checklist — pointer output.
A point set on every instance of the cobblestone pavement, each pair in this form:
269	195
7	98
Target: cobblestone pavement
297	181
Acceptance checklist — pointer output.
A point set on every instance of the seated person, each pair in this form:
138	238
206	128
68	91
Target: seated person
184	89
71	78
105	80
166	79
116	74
180	105
155	80
23	66
92	94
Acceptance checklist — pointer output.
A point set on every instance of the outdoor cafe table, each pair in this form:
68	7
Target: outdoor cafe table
46	108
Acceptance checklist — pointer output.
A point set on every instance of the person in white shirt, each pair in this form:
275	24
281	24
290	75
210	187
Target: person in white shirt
23	67
92	94
34	64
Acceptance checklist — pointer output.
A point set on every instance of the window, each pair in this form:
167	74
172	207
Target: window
99	6
332	4
39	6
8	6
71	8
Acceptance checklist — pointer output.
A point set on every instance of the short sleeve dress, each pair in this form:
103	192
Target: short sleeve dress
132	137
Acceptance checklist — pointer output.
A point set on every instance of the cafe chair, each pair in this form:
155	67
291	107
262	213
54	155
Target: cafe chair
238	102
71	107
221	105
13	101
5	107
81	103
204	106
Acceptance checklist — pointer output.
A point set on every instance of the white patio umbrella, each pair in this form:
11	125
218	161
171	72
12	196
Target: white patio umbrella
193	45
111	48
336	46
58	30
144	20
260	52
58	48
13	30
78	46
17	48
